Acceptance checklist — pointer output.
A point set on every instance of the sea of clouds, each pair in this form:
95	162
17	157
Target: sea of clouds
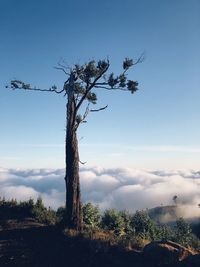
120	188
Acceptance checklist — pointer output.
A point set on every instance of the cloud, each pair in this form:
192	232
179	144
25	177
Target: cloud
121	188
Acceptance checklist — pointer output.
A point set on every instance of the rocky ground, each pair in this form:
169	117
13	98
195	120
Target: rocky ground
26	243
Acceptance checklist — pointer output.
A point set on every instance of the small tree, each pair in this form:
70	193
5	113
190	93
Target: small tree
127	222
91	215
61	214
42	214
113	220
79	88
175	199
183	232
143	224
165	232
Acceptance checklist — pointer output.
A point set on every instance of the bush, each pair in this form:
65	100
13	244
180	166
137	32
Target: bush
11	209
183	232
42	214
144	226
60	214
91	215
194	242
165	233
113	220
128	229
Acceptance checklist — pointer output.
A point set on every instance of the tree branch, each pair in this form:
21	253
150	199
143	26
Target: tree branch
62	69
87	110
40	90
96	110
92	85
140	59
15	84
111	88
83	163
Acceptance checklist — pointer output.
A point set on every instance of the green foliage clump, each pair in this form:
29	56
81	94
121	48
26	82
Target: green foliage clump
60	214
143	225
91	215
165	233
113	220
11	209
126	216
42	214
183	232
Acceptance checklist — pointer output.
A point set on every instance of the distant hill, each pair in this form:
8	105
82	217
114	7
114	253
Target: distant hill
169	215
163	214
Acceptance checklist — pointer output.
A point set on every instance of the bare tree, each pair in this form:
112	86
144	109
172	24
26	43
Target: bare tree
78	89
175	199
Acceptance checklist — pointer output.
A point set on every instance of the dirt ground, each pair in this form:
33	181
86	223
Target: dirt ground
25	243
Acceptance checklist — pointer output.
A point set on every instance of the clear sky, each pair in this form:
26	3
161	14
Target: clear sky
158	127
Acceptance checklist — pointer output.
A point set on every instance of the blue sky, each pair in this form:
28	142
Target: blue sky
158	127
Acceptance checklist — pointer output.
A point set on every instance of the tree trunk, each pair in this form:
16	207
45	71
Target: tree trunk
74	218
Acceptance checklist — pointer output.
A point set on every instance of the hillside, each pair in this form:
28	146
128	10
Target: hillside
26	243
163	214
32	236
169	215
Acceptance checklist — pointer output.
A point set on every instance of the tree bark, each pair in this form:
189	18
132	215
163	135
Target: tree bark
74	218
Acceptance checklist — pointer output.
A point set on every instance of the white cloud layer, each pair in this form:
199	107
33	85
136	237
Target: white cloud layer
119	188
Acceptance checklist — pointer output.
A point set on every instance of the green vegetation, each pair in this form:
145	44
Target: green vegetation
91	215
11	209
113	220
113	226
42	214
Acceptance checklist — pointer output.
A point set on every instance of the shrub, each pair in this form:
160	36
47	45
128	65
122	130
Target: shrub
183	232
128	229
42	214
144	226
165	233
113	220
60	213
91	215
11	209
